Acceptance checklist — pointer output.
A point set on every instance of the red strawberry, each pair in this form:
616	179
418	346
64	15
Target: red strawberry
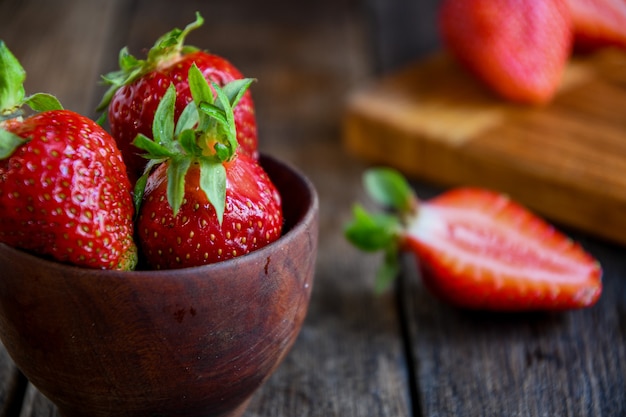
64	192
598	23
252	217
139	85
204	202
478	249
519	48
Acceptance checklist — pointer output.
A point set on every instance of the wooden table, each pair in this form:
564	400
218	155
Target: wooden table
402	353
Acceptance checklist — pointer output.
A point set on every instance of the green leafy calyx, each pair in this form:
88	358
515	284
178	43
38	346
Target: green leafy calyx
166	49
205	134
383	231
13	98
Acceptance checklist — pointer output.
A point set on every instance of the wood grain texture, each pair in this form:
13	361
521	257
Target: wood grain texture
566	160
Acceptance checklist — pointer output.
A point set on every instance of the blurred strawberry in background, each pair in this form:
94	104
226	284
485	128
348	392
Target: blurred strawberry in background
519	48
598	23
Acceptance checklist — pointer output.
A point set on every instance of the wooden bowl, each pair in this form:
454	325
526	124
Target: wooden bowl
188	342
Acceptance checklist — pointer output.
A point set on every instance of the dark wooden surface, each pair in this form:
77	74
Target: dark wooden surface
399	354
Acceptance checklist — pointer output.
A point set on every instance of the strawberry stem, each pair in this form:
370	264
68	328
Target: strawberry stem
166	49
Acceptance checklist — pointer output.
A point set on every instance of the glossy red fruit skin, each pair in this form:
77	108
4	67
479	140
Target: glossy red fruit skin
468	281
65	193
598	23
519	48
253	218
131	110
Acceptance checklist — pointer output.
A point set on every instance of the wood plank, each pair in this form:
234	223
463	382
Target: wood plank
566	160
486	364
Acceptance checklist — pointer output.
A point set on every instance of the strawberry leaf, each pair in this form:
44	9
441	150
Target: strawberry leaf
153	149
373	233
131	68
214	112
188	118
9	142
176	172
199	86
213	183
229	125
390	189
139	191
43	102
163	124
187	140
140	185
12	76
234	90
12	95
222	152
370	232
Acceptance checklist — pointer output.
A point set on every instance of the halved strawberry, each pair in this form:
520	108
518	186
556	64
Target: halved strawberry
138	86
64	192
598	23
204	202
477	248
518	48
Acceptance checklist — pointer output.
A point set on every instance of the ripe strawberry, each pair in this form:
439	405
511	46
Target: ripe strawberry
136	89
204	202
477	248
598	23
518	48
252	217
64	192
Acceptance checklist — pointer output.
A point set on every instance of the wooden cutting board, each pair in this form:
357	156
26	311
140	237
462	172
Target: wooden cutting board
566	160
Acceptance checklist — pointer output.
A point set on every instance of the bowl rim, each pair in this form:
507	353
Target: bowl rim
297	228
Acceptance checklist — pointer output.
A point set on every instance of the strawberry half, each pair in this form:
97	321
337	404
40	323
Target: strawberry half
477	248
204	202
64	192
138	86
598	23
518	48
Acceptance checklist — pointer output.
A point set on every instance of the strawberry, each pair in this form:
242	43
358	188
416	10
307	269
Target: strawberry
137	88
598	23
64	192
518	48
477	249
201	200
